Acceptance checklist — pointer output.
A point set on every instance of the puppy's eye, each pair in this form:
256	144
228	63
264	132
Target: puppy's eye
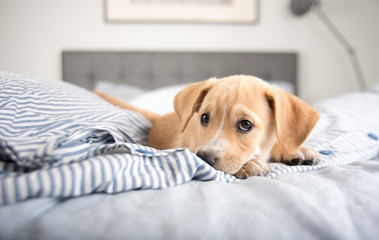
204	119
244	126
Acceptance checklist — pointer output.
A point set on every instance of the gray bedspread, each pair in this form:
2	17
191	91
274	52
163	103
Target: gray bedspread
330	203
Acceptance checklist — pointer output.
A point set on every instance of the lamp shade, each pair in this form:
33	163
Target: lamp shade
301	7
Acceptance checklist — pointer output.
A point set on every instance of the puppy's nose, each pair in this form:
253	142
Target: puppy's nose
209	158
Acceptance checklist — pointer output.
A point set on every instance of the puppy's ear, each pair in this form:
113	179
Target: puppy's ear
294	118
189	100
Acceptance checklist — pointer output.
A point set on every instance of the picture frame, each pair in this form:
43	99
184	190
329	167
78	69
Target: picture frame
191	11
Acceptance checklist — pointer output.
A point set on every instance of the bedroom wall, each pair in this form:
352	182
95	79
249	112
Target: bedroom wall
33	34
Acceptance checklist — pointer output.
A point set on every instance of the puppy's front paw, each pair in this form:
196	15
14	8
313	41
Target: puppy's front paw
303	156
255	167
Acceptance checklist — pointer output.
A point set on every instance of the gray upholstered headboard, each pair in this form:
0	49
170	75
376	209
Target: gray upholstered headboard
157	69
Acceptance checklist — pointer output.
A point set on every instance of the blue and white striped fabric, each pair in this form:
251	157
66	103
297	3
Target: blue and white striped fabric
58	140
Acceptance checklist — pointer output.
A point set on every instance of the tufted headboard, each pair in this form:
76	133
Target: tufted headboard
151	70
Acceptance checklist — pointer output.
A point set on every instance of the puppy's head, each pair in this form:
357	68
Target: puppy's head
232	120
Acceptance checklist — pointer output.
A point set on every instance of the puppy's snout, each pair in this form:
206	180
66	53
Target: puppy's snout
208	157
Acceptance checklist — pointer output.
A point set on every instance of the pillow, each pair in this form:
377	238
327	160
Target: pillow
286	86
120	90
159	100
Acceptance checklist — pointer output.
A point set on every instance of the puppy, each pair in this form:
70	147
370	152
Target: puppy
235	124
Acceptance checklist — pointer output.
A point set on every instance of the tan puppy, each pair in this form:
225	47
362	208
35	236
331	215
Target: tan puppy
236	124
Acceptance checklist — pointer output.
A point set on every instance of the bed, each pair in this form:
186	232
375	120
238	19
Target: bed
73	166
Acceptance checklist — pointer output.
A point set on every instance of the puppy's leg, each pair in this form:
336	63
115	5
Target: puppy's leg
254	167
303	155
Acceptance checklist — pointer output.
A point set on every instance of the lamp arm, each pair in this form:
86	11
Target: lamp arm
348	47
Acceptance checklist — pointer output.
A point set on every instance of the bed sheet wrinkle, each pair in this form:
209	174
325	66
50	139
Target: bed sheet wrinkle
361	188
320	211
19	224
270	209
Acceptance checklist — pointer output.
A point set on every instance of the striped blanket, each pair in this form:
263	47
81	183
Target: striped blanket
59	140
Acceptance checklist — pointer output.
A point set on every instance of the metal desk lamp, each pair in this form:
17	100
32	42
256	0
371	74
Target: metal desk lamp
301	7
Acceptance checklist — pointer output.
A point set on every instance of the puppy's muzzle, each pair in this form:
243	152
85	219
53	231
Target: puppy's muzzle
208	157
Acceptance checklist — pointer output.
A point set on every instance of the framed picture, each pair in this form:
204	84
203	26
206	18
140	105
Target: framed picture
211	11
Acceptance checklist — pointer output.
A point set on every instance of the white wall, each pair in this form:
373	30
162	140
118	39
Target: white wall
33	34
